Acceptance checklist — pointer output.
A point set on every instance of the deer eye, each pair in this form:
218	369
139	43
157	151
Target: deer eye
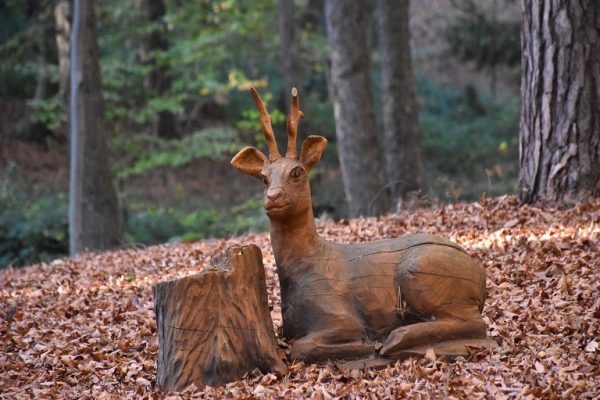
296	172
265	180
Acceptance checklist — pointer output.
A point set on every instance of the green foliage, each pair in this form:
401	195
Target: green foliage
15	45
214	48
476	34
461	140
153	225
25	27
12	20
217	49
50	112
32	228
141	153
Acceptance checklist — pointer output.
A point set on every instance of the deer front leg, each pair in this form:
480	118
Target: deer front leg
425	333
322	346
339	336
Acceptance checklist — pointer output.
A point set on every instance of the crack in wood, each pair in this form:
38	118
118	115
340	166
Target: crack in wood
304	283
235	328
440	275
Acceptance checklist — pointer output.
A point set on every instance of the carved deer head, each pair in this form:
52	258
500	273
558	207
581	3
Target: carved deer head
286	188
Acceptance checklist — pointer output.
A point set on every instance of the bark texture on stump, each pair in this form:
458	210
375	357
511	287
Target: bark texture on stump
560	101
215	326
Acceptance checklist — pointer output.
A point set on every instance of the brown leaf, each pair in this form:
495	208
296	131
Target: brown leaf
539	367
63	341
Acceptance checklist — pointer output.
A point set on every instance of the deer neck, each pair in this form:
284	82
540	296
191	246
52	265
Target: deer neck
295	238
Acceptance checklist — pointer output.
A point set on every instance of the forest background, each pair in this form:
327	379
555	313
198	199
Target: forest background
175	80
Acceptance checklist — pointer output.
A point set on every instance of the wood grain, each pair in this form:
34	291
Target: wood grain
385	298
215	326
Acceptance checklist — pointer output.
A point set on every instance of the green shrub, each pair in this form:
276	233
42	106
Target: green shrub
152	225
36	229
466	140
32	229
50	112
138	154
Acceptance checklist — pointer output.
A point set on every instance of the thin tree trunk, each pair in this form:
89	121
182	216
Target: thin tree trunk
362	168
560	101
93	210
62	22
402	135
159	79
289	50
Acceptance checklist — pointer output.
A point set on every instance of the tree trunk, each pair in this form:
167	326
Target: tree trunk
39	18
560	101
400	118
289	50
362	168
159	79
62	22
215	326
94	222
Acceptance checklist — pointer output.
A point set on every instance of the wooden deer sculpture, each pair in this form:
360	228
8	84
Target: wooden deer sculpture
340	300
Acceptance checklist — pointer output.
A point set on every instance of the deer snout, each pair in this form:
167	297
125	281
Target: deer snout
276	201
274	193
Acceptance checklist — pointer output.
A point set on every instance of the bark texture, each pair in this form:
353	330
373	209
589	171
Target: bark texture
560	101
94	222
401	132
215	326
62	22
362	168
291	65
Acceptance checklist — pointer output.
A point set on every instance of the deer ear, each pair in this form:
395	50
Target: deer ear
312	148
250	161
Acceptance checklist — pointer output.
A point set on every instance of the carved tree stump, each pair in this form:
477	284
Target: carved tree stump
215	326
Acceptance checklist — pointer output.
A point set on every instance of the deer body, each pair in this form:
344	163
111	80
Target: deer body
339	300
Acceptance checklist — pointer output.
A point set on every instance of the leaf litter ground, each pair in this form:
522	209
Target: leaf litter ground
84	327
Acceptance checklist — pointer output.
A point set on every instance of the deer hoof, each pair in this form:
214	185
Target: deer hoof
395	341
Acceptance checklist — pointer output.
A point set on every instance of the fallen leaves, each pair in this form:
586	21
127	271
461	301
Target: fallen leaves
592	346
85	327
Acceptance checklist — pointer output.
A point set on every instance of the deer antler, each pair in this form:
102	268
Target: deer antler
265	122
293	118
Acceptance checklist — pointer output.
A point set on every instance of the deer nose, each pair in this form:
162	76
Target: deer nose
274	193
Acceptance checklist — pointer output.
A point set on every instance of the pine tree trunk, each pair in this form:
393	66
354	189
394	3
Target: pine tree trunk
94	222
215	326
159	79
362	168
288	48
400	118
560	101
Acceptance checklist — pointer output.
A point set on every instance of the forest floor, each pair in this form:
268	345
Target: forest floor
84	327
